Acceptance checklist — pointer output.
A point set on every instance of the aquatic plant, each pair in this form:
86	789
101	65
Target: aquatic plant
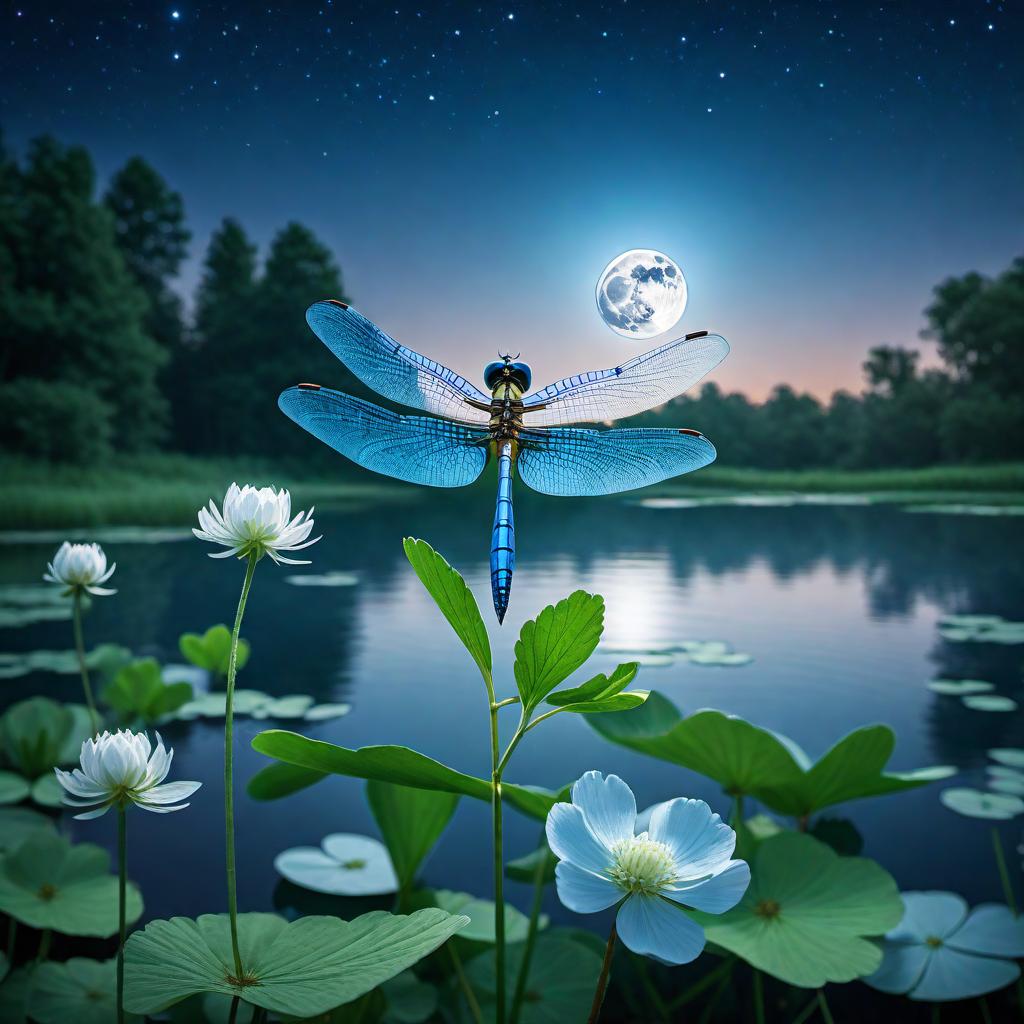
343	865
81	567
139	694
212	650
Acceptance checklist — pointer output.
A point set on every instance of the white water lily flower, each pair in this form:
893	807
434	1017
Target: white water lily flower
684	859
256	519
123	766
81	565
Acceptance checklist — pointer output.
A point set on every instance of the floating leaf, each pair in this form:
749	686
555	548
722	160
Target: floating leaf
303	968
344	865
481	914
138	691
977	803
1012	756
393	764
48	883
746	759
1007	785
13	788
214	705
79	990
212	650
560	985
327	579
323	712
989	702
455	600
18	823
959	687
411	822
47	792
293	706
552	646
808	934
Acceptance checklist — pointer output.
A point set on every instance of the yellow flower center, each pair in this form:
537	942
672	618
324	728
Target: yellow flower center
642	865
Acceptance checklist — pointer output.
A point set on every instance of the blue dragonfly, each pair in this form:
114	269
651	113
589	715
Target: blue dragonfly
528	433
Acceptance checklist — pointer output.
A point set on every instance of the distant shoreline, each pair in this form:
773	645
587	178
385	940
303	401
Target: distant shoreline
166	490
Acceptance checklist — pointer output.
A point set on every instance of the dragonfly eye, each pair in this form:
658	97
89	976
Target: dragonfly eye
520	373
493	373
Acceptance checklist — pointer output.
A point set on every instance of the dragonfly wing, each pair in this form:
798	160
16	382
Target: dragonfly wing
580	462
392	370
417	449
640	384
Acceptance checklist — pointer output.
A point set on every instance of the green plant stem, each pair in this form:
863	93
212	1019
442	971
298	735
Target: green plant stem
233	1012
985	1015
737	812
602	981
660	1007
531	935
499	869
1004	874
76	621
12	935
936	1013
467	989
229	792
44	945
723	970
806	1011
758	997
122	894
826	1013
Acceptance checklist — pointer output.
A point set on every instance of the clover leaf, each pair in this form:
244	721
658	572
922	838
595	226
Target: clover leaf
212	649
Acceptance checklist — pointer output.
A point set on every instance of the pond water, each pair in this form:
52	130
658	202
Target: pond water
837	605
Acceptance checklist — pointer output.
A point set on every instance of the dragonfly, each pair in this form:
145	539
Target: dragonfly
530	434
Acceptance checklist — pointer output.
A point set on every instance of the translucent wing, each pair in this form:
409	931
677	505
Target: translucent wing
584	462
418	449
392	370
640	384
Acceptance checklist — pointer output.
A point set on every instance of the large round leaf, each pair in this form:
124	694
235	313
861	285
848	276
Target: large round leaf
18	823
481	914
13	788
303	968
344	865
79	990
33	733
808	912
48	883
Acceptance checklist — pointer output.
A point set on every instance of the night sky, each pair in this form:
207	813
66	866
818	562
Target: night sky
815	168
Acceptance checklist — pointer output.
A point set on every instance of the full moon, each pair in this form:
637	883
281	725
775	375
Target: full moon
641	293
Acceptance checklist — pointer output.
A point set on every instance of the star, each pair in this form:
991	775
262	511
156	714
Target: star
175	15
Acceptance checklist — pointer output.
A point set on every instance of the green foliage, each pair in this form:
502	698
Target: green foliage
388	764
303	968
212	649
138	692
13	787
81	990
748	760
552	646
808	934
455	600
18	823
602	693
48	883
38	733
411	822
524	869
481	914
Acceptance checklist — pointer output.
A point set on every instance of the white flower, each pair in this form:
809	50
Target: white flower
256	519
120	767
81	565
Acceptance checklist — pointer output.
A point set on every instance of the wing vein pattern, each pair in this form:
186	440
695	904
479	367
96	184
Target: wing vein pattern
581	462
392	370
642	383
417	449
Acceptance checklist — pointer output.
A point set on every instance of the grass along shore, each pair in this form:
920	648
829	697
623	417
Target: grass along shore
166	490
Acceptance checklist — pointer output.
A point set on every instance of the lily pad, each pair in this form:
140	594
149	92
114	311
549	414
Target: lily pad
326	579
138	692
212	650
47	792
324	712
808	934
959	687
344	865
481	914
214	705
293	706
1007	785
978	803
18	823
48	883
560	985
13	788
989	702
303	968
37	734
1011	756
79	990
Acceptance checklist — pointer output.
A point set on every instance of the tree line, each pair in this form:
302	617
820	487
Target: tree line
97	354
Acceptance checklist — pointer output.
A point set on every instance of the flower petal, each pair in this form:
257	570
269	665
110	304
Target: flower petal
608	805
928	914
655	927
571	839
168	793
902	965
991	929
583	891
698	838
950	974
98	813
719	893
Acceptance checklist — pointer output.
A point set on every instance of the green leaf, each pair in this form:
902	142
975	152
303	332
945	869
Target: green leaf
552	646
279	780
303	968
560	984
394	764
47	791
411	822
746	759
79	990
13	788
212	650
808	933
598	688
481	914
409	1000
48	883
524	869
18	823
619	702
33	734
450	593
138	691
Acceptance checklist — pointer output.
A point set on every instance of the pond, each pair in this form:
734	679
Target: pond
837	605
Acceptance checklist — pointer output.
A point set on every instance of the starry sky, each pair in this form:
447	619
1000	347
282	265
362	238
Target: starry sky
815	168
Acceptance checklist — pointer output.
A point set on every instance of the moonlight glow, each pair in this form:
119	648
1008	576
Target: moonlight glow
641	293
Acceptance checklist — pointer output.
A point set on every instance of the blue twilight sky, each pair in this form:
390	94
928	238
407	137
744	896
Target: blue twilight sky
815	168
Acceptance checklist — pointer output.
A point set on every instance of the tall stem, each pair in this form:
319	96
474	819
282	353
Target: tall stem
758	997
1004	874
602	981
229	791
499	871
76	619
122	893
826	1013
531	935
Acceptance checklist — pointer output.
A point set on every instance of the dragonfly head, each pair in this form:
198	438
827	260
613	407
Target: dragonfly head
508	369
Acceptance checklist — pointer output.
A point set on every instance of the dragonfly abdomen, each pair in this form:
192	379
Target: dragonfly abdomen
503	536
